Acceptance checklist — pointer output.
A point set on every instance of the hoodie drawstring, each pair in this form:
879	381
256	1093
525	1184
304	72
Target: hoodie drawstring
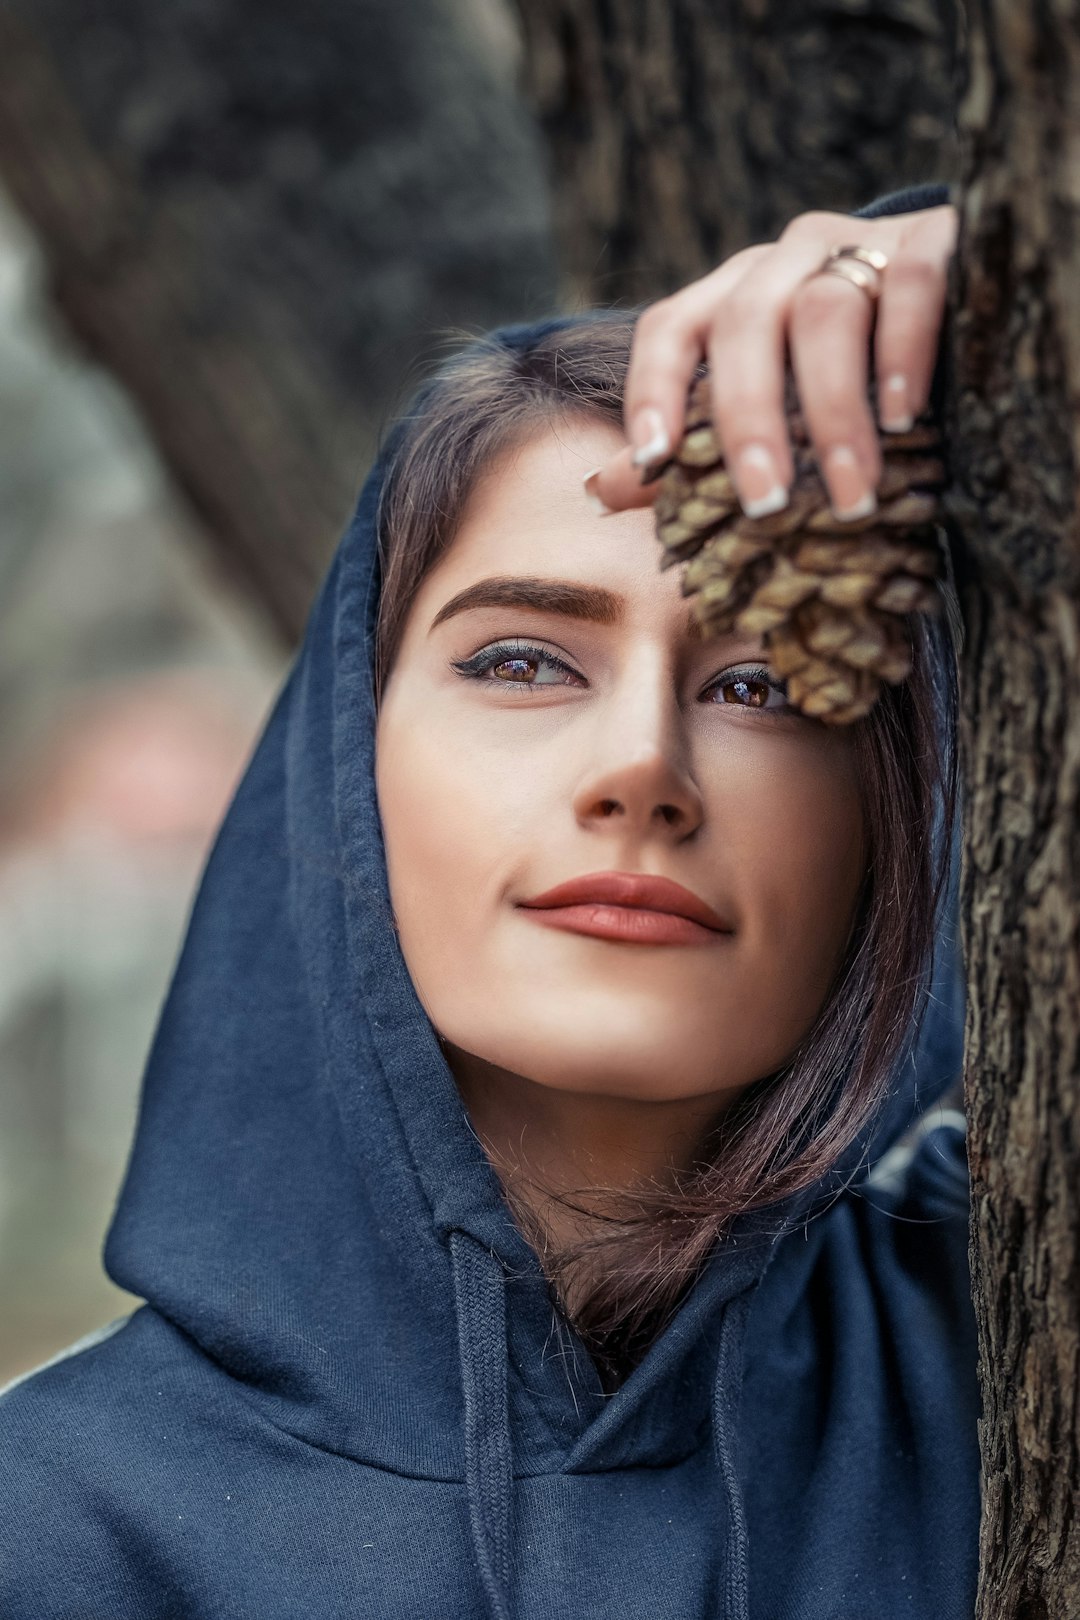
480	1303
726	1392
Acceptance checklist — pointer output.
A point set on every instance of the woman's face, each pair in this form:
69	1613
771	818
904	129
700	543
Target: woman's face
609	745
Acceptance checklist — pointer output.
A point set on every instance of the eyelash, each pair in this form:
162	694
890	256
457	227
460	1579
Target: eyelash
488	657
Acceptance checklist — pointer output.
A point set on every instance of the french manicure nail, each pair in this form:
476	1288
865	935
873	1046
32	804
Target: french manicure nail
591	493
757	479
649	437
894	405
849	491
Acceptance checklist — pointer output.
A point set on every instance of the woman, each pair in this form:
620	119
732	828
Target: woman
709	1369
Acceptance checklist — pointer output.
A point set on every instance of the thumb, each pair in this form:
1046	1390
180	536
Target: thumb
616	485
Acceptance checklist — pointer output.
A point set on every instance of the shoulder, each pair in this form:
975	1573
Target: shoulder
886	1262
928	1167
109	1380
88	1443
57	1433
900	1243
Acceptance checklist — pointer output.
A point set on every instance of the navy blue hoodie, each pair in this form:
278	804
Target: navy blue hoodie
348	1397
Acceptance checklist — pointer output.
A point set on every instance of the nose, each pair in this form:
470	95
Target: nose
638	775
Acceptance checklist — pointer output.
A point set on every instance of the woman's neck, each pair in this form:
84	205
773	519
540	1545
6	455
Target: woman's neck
542	1140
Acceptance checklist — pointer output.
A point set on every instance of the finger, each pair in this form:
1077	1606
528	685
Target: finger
617	485
746	362
830	324
910	314
669	344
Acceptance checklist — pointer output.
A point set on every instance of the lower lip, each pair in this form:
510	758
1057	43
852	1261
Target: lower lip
630	924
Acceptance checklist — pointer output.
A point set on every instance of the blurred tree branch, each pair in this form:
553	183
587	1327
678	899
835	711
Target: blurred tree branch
259	217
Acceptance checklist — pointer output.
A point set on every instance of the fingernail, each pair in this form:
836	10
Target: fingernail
591	494
894	405
849	490
757	479
649	437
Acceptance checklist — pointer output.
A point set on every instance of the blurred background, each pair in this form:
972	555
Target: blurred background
232	237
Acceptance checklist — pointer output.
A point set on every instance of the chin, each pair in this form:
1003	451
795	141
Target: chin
634	1071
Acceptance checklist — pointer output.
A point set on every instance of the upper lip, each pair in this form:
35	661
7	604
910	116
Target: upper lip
641	889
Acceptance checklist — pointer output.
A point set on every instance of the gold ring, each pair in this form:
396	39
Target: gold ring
848	262
871	256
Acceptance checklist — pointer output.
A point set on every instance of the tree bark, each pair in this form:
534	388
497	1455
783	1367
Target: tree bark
683	130
1014	398
259	217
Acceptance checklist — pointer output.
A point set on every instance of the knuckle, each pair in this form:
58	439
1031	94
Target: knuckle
915	274
742	310
653	319
934	224
814	223
742	260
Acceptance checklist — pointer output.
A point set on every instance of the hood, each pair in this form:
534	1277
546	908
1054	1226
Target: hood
305	1199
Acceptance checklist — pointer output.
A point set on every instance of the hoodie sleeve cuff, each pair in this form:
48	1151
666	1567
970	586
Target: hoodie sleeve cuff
907	201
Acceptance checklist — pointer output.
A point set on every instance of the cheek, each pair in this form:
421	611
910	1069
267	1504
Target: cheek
449	824
422	811
802	855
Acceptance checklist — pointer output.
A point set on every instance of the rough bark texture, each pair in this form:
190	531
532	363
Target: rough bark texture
682	130
258	216
1015	417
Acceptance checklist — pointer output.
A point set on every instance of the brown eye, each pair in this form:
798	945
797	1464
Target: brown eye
753	694
749	689
521	667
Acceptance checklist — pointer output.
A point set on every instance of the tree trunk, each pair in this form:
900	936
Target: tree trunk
259	216
682	130
1014	397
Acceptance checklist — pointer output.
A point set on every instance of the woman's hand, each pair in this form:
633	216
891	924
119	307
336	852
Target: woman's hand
739	319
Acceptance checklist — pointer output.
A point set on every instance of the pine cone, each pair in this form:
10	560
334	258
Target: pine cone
831	599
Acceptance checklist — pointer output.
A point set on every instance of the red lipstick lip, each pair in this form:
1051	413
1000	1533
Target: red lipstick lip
632	889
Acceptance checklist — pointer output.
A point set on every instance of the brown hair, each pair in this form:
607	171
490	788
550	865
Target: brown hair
788	1129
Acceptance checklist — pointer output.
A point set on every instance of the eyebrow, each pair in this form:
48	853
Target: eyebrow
592	602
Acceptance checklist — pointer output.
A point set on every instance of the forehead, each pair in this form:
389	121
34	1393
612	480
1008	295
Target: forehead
529	516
